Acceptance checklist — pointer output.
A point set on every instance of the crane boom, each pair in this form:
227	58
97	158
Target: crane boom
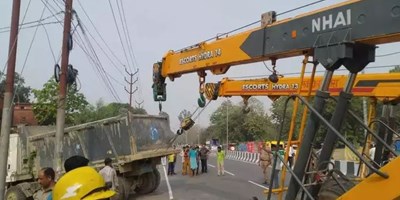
384	87
354	22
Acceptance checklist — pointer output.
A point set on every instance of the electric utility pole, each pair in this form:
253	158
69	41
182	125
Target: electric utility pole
8	96
131	82
62	97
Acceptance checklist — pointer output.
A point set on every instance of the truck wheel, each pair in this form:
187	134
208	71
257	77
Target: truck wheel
146	183
157	180
15	193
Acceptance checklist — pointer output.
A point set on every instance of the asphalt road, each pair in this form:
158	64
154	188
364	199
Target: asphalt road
242	181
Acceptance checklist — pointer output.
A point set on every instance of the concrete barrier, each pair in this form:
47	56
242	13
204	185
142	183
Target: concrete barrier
348	168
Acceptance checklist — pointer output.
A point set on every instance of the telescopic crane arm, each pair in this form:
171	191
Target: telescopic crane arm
384	87
336	35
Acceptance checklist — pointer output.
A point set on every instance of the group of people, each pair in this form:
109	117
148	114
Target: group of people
266	160
194	158
79	181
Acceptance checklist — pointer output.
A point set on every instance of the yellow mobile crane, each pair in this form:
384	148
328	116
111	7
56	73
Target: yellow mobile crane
379	86
344	34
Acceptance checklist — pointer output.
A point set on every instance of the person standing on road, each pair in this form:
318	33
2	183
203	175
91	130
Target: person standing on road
197	159
265	161
46	179
278	167
171	160
203	157
193	160
185	164
220	161
110	175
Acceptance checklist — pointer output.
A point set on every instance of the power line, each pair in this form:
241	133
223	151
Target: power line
253	23
124	29
98	33
33	26
389	54
32	22
85	29
119	34
27	54
136	65
100	68
15	41
87	53
48	41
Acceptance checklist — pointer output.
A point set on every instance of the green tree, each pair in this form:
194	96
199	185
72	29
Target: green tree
254	125
22	92
102	110
45	105
396	69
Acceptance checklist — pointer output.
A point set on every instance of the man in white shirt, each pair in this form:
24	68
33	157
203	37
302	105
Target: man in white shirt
291	156
372	151
109	174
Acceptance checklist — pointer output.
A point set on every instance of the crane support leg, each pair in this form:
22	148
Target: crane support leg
310	131
354	57
382	134
361	56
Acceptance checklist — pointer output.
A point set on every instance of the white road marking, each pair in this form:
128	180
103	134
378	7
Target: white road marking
229	173
258	185
168	185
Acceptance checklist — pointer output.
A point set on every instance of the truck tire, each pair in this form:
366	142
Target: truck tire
15	193
330	189
146	183
157	180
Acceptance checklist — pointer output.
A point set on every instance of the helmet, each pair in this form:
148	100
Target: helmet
81	183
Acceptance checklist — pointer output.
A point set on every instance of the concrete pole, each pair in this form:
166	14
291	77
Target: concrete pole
8	96
227	125
62	98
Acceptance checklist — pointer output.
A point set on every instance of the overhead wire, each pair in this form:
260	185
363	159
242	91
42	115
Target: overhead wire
119	34
15	41
251	24
83	26
98	33
388	54
95	60
32	22
106	78
133	57
32	26
27	55
125	33
49	43
92	60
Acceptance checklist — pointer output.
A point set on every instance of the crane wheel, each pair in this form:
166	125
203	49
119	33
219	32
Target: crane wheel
331	190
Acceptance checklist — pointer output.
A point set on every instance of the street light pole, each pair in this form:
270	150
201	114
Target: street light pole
227	125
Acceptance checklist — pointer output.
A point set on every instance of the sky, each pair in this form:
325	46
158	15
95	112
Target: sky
155	27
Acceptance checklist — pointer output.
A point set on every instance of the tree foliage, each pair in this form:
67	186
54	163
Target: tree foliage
102	110
45	105
22	92
251	126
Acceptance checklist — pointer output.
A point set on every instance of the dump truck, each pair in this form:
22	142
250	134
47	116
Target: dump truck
135	143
